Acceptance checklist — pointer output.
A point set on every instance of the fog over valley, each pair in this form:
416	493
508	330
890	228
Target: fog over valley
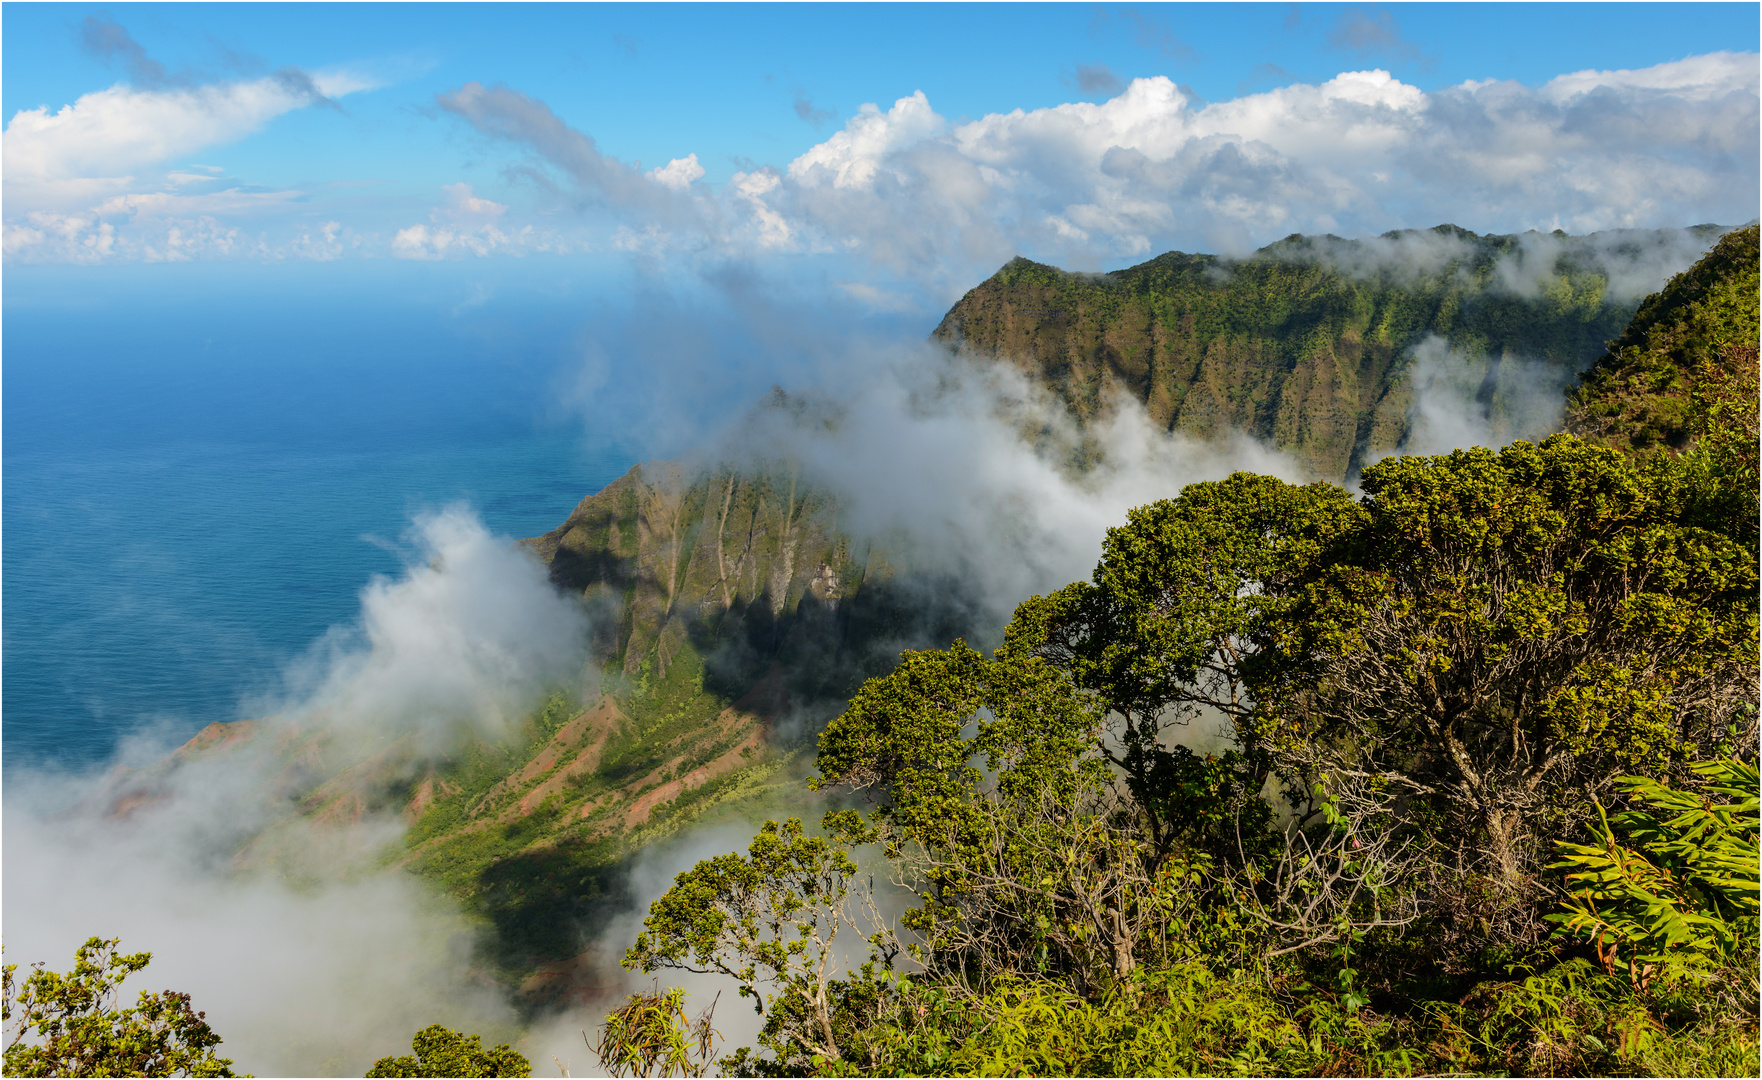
448	507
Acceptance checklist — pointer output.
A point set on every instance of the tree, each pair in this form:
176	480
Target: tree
773	917
69	1025
1421	688
1027	856
1492	634
441	1051
1505	632
1175	620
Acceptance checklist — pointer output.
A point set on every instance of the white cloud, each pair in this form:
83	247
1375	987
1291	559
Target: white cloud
466	224
471	631
81	183
106	137
927	450
852	157
679	174
1082	184
462	202
330	240
308	960
912	194
1450	408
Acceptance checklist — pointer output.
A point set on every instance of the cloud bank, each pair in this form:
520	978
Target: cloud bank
87	182
904	191
969	467
308	958
1151	169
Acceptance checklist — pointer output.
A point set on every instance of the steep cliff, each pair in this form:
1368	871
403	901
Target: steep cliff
1308	343
734	613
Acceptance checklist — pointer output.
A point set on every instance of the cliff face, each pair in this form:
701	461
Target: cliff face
1307	344
747	570
734	615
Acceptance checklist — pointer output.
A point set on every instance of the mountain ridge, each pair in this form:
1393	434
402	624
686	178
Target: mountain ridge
1308	343
735	613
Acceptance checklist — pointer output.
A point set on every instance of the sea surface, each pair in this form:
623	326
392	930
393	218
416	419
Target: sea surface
200	472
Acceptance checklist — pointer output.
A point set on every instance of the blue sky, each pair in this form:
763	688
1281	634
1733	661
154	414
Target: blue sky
267	132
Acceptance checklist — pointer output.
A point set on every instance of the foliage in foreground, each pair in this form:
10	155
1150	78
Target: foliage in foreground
69	1025
1398	859
441	1051
1670	889
649	1036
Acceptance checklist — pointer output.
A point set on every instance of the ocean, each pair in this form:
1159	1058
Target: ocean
203	466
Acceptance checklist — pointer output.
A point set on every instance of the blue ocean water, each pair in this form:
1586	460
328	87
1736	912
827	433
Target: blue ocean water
201	471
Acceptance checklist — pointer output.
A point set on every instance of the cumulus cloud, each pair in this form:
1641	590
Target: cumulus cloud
679	174
905	191
160	226
1153	168
470	633
466	224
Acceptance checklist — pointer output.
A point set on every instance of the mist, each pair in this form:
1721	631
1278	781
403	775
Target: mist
311	958
1633	262
469	633
306	956
1468	399
980	472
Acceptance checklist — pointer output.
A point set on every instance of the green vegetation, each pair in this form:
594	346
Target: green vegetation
532	868
1304	344
1480	794
1400	860
69	1025
1685	893
441	1051
1641	394
648	1036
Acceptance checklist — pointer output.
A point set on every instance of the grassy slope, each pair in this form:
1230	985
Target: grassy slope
734	617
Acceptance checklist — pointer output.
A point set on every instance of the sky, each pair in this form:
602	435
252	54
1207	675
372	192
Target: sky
262	233
894	151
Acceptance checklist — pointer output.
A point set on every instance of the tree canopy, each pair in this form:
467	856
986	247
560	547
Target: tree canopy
69	1025
441	1051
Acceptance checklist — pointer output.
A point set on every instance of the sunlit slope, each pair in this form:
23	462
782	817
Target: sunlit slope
732	617
734	614
1307	343
1640	394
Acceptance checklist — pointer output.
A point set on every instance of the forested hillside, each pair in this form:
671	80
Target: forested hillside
1429	695
1489	806
1306	344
